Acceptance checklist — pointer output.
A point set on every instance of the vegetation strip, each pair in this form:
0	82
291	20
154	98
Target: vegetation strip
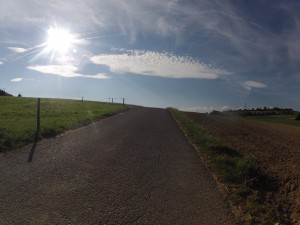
249	191
18	118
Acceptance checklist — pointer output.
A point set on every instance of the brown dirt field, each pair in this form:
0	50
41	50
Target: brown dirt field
275	147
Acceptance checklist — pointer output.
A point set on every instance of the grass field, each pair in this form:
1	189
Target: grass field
18	118
283	119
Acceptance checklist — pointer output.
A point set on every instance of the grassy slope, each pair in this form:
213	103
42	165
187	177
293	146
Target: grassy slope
18	118
249	191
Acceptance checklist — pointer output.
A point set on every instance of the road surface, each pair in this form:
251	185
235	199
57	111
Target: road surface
133	168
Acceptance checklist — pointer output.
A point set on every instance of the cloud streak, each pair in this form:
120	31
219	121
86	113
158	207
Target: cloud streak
208	109
150	63
18	79
65	71
17	49
253	84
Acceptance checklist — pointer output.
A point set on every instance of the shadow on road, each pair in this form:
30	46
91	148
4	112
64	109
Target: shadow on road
30	157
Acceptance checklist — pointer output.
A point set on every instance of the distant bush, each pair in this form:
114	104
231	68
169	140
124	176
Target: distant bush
297	117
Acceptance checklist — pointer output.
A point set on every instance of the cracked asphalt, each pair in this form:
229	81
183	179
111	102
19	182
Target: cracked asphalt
133	168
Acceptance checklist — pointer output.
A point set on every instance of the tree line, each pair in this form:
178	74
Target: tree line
4	93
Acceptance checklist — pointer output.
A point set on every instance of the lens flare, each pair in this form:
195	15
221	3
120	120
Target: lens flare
59	40
60	45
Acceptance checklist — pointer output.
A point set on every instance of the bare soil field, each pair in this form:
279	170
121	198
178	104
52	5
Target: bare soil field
275	148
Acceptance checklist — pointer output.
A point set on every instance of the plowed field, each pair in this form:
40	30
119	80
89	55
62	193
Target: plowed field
275	147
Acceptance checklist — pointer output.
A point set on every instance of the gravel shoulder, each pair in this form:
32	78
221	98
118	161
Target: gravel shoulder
133	168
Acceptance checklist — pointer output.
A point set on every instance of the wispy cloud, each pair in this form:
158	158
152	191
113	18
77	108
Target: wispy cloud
90	13
163	64
65	71
17	49
18	79
1	63
217	20
253	84
208	109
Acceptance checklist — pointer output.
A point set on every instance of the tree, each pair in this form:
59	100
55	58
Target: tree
4	93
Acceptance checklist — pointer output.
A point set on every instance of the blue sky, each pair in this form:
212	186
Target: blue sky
193	54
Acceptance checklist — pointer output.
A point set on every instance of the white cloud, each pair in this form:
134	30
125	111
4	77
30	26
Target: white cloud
208	109
151	63
253	84
1	63
17	50
64	71
198	109
18	79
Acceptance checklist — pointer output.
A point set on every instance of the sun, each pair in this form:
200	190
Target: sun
59	40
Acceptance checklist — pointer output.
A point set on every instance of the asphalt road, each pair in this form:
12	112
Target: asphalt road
133	168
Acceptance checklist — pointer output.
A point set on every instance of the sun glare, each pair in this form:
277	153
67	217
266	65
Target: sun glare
59	40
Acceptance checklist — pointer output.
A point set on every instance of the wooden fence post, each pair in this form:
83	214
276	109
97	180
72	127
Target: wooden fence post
38	115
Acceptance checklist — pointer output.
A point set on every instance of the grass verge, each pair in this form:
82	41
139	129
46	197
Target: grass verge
249	191
18	118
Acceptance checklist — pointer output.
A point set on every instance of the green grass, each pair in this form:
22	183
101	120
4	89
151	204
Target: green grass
249	189
282	119
18	118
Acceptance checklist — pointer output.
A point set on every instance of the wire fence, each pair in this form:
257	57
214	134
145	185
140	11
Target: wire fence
113	99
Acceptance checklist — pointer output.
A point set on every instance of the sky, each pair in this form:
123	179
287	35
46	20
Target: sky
196	55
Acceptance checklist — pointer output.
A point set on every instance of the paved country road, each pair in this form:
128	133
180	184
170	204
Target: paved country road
133	168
